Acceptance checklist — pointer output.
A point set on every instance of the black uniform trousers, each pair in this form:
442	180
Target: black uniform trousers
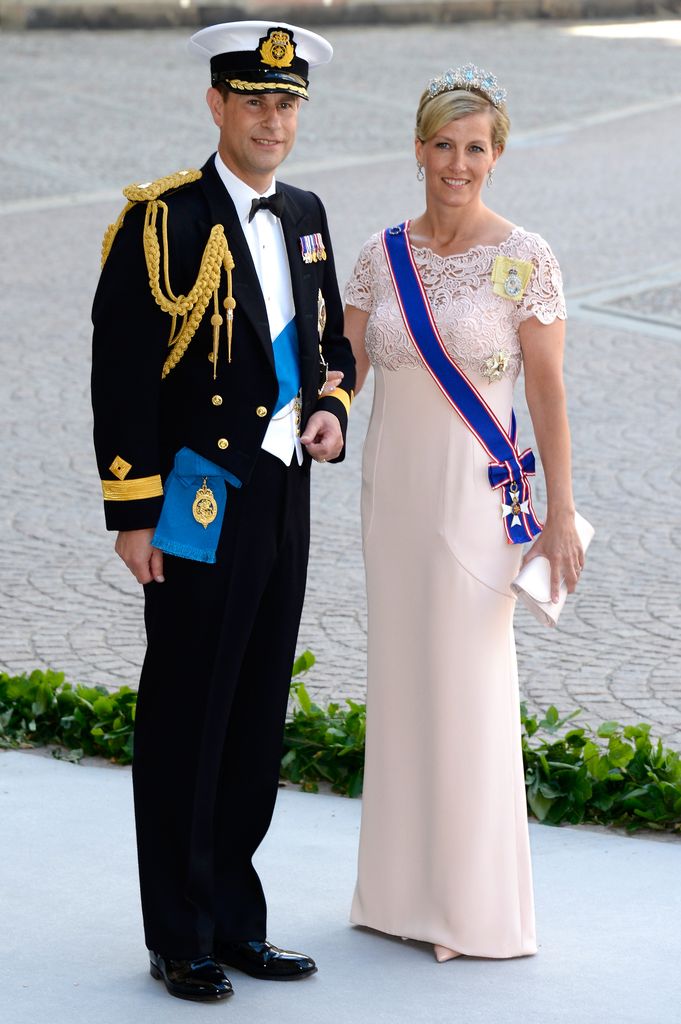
210	715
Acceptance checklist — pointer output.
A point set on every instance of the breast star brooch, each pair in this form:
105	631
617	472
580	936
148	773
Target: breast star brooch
495	367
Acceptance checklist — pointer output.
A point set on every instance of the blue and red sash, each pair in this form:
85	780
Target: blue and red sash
508	469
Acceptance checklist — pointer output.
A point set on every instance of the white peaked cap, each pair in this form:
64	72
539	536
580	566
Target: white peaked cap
246	35
260	56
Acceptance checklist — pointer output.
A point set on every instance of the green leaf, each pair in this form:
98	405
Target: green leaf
303	698
103	706
609	729
539	805
303	663
550	719
619	752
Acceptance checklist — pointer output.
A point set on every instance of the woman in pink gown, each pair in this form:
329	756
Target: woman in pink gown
444	852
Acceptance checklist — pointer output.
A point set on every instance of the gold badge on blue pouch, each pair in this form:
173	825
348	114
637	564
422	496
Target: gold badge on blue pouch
510	277
205	507
312	248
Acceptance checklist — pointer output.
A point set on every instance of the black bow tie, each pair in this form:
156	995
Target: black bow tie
274	203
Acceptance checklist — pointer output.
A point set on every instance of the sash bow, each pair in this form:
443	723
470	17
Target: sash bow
505	472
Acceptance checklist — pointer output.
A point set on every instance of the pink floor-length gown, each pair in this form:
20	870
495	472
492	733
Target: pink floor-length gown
444	851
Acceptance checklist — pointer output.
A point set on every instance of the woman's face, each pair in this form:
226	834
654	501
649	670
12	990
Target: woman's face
457	159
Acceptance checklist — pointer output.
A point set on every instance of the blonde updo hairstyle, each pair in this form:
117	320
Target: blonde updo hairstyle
435	112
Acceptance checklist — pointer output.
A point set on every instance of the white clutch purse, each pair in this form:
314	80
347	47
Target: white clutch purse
532	585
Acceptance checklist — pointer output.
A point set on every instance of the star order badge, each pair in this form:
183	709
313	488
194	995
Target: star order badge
495	367
205	507
321	314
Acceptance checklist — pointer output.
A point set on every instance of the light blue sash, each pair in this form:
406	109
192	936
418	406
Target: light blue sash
178	533
287	364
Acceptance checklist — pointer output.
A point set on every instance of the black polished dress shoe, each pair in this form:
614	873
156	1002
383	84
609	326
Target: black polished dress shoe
263	960
202	979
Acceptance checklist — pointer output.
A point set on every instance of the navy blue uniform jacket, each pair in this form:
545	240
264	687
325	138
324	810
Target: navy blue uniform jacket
142	420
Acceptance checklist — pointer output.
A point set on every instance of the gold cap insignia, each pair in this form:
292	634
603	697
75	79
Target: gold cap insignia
277	49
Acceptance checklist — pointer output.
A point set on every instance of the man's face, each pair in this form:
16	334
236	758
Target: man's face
257	132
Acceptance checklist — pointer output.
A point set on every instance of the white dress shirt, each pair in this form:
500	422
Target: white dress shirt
265	238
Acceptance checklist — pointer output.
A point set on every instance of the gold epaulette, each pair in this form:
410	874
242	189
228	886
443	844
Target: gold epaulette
154	189
150	190
190	308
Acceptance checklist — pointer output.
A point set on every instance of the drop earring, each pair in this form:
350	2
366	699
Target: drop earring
490	177
419	171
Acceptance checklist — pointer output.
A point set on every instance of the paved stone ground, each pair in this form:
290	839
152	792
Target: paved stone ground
594	167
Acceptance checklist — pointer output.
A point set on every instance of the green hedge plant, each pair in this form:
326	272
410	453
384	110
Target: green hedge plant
612	775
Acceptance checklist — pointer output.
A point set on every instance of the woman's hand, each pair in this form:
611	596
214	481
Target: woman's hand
560	543
333	379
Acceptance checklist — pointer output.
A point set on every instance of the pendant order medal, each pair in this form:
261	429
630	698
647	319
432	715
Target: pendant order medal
510	277
513	285
515	507
205	507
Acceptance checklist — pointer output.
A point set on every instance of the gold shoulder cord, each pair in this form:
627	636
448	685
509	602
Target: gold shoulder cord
216	256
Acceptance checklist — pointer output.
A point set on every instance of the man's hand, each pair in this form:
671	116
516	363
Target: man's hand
322	436
144	561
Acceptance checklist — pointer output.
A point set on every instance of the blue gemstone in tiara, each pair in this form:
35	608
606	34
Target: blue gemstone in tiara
469	77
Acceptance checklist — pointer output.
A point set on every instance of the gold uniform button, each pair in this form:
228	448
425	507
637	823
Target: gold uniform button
216	399
223	443
211	357
261	411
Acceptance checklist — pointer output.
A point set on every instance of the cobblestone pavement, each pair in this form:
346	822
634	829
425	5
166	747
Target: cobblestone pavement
593	167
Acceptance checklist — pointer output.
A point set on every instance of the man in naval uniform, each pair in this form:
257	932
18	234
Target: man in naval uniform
219	371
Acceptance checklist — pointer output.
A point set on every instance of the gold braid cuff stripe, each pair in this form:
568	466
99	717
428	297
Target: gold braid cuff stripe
238	83
132	490
342	396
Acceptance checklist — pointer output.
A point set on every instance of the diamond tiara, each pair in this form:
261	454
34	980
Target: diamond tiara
468	77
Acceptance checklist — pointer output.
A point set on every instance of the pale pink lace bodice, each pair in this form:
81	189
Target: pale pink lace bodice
475	323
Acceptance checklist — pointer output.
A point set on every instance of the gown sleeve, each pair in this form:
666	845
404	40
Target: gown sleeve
360	289
543	296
